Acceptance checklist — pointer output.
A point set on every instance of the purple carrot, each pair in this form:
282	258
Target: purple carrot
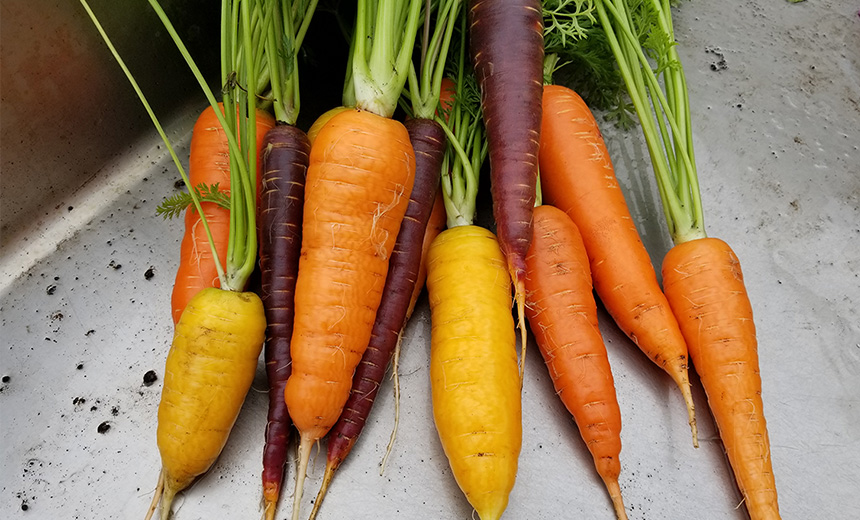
506	44
428	140
285	162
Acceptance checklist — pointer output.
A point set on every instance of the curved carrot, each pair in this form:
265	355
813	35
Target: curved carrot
474	377
506	43
704	284
221	332
562	315
209	164
578	178
360	177
284	162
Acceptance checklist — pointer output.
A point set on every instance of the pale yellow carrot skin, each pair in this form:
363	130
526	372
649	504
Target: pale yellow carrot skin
209	370
473	365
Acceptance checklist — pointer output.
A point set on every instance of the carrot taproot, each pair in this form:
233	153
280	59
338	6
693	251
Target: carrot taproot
360	177
562	315
355	198
702	276
506	44
284	161
221	332
474	375
578	177
208	165
217	341
428	142
705	286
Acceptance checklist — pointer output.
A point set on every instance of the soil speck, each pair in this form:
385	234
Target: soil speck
114	265
51	289
80	366
6	379
149	273
104	427
149	378
90	332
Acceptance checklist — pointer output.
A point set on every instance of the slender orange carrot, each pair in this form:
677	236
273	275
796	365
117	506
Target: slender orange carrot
577	177
562	315
705	286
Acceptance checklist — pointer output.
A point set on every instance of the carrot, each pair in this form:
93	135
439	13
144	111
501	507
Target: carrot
506	41
218	339
428	142
473	365
562	315
208	166
360	177
702	277
284	162
577	177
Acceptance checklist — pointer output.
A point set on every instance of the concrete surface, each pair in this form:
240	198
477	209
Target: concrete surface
775	91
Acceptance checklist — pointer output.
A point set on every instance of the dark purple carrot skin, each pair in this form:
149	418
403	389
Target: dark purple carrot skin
284	157
428	140
506	44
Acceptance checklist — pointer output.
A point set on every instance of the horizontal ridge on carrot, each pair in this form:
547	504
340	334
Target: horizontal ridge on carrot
702	276
577	177
562	315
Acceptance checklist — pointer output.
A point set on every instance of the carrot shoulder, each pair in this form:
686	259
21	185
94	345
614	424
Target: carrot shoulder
562	314
577	177
704	284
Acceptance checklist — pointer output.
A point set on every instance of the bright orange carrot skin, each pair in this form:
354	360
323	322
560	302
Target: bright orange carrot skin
705	287
359	180
577	177
209	163
196	265
562	315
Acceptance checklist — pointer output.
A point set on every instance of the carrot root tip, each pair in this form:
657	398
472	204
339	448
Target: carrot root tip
615	495
159	489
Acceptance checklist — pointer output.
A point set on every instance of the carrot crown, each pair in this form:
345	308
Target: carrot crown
381	52
467	147
285	29
663	107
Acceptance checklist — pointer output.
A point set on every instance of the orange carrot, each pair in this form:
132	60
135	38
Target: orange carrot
702	276
577	177
358	184
562	315
705	287
209	164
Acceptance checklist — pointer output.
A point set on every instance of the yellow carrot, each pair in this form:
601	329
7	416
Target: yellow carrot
473	365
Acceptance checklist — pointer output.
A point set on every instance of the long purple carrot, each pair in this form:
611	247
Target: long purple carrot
506	43
285	162
428	140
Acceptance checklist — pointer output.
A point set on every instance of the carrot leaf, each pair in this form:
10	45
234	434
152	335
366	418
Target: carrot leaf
174	205
641	37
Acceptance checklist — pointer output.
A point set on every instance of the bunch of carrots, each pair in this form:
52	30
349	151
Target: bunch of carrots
345	223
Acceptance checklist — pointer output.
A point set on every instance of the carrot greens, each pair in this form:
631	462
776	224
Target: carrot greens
642	40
